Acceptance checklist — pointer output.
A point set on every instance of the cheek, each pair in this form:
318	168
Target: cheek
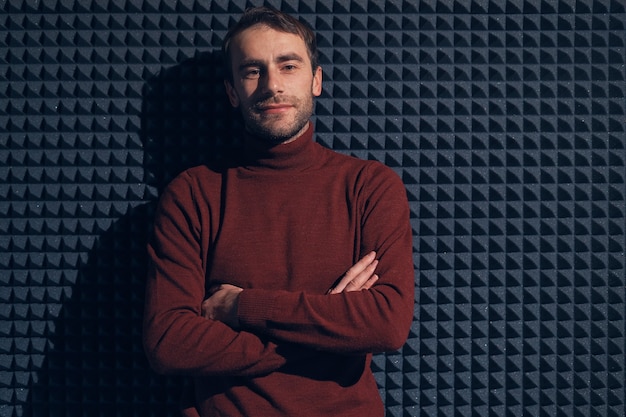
244	88
246	92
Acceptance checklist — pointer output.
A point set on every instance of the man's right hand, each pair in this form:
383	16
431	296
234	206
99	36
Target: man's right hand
359	277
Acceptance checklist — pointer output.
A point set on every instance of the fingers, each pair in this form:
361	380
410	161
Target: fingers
369	283
359	277
362	277
207	311
219	298
363	263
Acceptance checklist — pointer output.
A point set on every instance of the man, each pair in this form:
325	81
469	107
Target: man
274	280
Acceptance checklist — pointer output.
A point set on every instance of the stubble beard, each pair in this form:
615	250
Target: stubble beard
269	128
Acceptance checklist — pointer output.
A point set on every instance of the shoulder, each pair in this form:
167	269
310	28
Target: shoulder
201	175
192	185
366	168
369	179
355	164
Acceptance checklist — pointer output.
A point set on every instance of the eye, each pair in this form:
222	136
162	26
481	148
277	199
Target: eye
252	73
289	67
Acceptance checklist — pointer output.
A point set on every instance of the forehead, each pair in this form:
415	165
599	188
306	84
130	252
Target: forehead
261	42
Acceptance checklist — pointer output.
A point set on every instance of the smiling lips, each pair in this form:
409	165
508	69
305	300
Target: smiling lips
273	108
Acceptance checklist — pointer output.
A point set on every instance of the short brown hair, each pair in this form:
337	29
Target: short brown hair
277	20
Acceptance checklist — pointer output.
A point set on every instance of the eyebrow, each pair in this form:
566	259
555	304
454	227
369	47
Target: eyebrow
249	63
289	57
281	58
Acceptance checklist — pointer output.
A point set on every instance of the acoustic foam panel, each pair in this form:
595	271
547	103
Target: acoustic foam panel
505	120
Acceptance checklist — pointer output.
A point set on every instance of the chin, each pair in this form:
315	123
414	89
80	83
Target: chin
275	136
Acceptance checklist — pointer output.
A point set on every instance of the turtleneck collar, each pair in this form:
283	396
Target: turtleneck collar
297	155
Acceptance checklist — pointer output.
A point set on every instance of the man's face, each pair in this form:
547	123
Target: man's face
273	83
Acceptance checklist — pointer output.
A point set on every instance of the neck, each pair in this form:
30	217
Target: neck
271	141
297	153
297	135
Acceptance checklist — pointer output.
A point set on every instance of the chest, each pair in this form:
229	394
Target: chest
293	233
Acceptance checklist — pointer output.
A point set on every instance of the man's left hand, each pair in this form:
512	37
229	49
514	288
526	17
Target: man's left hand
222	304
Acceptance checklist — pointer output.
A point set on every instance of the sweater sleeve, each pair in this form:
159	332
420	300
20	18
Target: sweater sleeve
177	339
375	320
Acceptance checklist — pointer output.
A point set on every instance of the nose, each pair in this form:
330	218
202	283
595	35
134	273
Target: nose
271	82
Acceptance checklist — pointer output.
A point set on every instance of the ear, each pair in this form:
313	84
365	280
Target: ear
232	94
316	87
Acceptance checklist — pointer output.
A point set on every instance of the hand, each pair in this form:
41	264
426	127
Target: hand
359	277
222	304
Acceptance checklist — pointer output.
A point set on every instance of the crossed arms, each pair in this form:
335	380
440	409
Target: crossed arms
224	298
256	331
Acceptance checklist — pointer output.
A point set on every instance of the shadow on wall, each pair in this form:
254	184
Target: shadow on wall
96	365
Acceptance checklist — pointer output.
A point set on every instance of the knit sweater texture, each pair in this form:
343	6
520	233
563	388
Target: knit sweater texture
284	224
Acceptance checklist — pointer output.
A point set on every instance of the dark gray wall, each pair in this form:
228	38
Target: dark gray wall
506	121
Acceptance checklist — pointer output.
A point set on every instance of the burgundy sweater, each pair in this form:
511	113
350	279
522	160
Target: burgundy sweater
284	225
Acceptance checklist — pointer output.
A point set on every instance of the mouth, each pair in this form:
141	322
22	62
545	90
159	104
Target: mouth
273	105
274	108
